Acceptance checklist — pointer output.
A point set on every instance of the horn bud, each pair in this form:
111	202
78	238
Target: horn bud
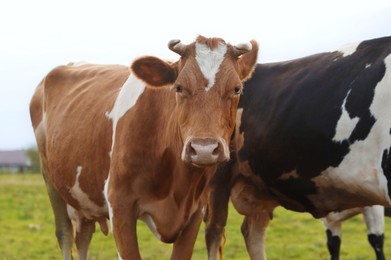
177	46
242	48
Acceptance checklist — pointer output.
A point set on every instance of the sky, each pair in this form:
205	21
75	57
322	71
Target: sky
36	36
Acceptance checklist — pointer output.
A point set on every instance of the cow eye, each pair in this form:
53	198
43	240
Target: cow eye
237	90
178	88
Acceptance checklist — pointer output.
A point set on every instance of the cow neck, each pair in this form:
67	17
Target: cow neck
178	188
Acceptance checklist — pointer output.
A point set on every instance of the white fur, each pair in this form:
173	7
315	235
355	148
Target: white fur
105	193
374	219
345	125
348	49
126	99
361	171
87	206
209	61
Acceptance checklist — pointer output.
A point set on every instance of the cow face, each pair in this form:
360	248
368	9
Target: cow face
208	80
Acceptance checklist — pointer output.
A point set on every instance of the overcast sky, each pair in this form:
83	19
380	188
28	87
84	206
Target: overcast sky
37	35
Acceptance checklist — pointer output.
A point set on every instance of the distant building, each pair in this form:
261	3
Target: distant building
14	161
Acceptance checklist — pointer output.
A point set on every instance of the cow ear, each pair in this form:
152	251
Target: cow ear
247	62
154	71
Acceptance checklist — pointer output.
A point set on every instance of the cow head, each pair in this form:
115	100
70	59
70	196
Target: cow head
208	80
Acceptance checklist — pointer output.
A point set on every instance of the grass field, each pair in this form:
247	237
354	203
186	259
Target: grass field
27	231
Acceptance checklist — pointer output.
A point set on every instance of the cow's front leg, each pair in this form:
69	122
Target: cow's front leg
123	220
184	244
217	211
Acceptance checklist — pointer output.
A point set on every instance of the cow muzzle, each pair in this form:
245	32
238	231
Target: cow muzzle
205	151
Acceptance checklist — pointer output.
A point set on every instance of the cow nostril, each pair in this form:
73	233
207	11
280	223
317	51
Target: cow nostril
217	150
191	150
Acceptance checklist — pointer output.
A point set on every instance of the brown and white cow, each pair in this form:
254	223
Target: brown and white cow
139	144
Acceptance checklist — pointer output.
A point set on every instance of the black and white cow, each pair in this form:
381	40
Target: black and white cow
312	135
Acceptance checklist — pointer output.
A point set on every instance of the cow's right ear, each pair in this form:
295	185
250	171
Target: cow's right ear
154	71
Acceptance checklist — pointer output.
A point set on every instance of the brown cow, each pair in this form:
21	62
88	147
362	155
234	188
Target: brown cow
140	145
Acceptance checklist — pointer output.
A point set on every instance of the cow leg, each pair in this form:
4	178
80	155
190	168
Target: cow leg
374	219
333	232
184	244
123	223
64	229
215	227
83	238
123	219
217	212
254	233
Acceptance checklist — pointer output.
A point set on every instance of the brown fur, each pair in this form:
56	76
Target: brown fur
148	177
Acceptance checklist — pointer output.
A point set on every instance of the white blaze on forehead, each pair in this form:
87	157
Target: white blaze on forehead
345	125
348	49
209	61
126	99
87	206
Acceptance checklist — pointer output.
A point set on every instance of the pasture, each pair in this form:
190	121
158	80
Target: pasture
27	231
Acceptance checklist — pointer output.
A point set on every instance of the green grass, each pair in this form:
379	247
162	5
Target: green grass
27	231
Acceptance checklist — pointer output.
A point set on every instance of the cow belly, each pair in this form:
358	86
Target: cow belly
339	189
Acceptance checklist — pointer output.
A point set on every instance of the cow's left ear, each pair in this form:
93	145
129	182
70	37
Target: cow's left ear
154	71
247	61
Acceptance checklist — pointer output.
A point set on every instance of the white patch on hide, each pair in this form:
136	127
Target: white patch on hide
345	125
127	97
87	206
361	170
348	49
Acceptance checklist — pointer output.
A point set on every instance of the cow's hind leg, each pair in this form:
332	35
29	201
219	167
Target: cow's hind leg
83	238
254	233
64	230
374	219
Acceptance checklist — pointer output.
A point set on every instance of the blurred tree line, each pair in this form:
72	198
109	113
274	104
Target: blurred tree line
32	154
